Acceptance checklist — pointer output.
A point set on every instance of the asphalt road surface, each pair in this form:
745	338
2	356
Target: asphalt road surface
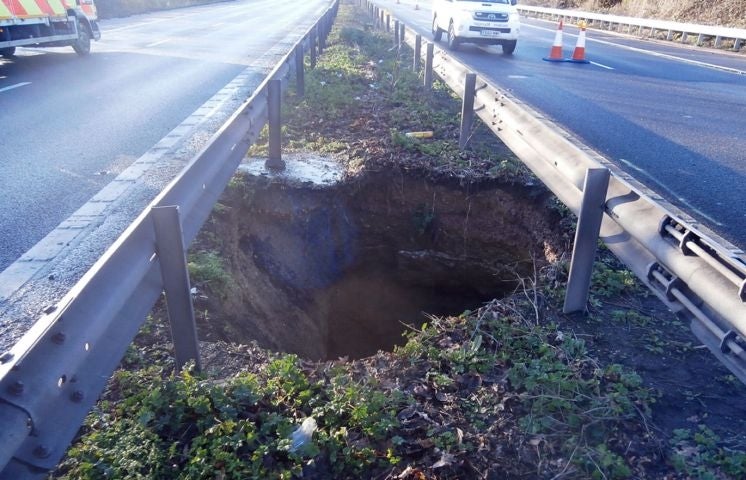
69	125
669	115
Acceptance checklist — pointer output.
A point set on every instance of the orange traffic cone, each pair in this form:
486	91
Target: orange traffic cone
578	56
555	54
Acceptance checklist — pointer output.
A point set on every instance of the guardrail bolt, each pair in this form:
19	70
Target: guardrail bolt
6	357
59	338
16	388
77	396
42	452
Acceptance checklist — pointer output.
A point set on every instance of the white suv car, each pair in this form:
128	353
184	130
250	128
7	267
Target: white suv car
484	22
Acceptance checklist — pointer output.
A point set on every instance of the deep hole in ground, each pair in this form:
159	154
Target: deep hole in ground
344	269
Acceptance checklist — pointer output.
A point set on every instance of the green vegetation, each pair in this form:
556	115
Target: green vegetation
479	370
701	454
186	427
206	268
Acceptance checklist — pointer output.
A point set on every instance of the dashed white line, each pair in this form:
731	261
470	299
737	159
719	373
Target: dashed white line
17	85
136	25
673	194
602	66
158	43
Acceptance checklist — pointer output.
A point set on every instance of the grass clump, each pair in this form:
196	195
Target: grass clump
207	268
184	426
702	454
568	414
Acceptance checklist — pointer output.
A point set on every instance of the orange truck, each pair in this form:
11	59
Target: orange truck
47	23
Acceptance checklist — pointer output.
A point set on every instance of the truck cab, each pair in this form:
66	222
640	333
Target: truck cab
482	22
47	23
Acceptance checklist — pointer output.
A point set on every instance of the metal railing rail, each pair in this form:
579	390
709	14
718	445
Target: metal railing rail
619	23
696	274
52	377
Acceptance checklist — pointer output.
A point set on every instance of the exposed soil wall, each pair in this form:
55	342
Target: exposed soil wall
327	272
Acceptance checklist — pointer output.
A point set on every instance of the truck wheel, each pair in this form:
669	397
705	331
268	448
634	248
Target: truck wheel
509	47
437	31
7	52
453	40
82	45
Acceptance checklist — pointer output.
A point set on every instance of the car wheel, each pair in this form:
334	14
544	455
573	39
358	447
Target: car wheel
437	31
82	45
7	52
509	47
453	40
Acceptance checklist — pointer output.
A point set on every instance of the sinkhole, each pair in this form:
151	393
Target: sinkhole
327	265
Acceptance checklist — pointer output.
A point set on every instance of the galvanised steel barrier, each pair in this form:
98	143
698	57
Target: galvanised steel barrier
697	275
643	25
52	377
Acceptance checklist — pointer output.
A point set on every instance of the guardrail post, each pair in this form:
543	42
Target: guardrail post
467	109
417	53
169	240
737	44
388	22
274	96
300	80
16	428
396	32
320	33
382	20
586	239
402	29
429	53
314	42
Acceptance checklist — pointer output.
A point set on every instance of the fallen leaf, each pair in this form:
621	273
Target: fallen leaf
445	460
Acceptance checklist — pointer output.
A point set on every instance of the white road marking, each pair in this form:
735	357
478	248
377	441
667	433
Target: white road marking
670	192
602	66
651	53
219	24
158	43
136	25
17	85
